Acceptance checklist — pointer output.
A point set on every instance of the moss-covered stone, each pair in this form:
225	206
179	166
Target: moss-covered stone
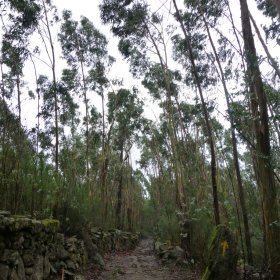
222	255
37	226
50	225
38	272
17	223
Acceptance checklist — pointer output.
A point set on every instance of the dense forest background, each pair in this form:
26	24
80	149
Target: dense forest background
209	156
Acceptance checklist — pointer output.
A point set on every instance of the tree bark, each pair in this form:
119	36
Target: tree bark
87	120
119	219
263	150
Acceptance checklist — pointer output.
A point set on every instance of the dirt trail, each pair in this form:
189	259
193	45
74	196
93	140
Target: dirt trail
141	264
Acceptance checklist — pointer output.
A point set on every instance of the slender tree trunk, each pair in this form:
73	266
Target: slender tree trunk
119	219
38	105
271	60
104	192
104	166
19	100
87	121
18	181
131	192
235	153
53	66
180	197
3	136
240	50
179	175
263	150
190	56
34	189
3	108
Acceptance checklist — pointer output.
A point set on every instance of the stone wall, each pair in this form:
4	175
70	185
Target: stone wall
113	240
32	249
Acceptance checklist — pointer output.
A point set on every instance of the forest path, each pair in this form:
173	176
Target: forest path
141	264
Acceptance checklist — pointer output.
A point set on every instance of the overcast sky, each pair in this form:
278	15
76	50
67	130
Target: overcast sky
89	8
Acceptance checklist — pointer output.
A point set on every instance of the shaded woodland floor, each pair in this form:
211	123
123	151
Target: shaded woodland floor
141	264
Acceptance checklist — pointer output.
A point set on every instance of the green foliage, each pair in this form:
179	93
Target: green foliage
167	227
155	81
269	9
126	17
28	12
126	109
81	42
210	8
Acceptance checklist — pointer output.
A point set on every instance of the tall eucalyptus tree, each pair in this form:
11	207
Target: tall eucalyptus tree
191	40
125	109
265	172
48	18
19	19
141	34
85	50
209	17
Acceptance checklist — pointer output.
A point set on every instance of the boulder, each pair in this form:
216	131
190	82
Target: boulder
14	275
162	249
28	260
47	268
176	253
99	260
61	253
21	269
38	268
29	271
90	247
4	271
222	255
71	265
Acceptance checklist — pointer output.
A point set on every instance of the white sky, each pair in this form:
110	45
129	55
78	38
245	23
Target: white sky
90	9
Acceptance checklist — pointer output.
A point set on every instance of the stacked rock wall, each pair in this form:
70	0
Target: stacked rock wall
113	240
32	249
